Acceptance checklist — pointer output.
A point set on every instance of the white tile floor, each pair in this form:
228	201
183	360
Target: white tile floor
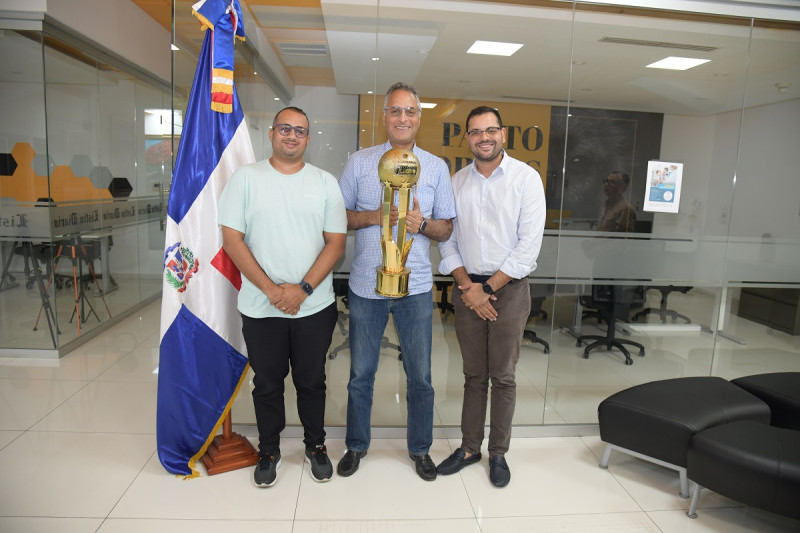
77	454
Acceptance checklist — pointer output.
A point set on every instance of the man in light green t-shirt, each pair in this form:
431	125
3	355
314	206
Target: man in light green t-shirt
284	226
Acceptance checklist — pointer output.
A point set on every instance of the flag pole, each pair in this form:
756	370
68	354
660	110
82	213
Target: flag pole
229	451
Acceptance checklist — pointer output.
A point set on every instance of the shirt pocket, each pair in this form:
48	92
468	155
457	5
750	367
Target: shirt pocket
425	194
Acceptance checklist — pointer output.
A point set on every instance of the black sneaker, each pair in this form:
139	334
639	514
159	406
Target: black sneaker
425	467
265	474
321	467
349	463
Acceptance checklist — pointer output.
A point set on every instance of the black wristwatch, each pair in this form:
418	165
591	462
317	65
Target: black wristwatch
423	225
306	286
488	288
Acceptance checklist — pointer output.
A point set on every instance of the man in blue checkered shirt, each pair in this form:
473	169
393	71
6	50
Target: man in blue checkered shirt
430	218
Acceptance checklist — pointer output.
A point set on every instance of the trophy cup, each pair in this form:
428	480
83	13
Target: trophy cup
398	170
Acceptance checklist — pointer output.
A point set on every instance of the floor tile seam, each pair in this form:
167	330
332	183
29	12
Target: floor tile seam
31	378
128	381
178	519
472	505
379	520
123	380
153	433
51	411
51	516
130	484
568	514
21	433
613	476
634	498
115	363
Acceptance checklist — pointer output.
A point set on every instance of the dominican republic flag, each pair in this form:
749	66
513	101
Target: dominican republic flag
203	358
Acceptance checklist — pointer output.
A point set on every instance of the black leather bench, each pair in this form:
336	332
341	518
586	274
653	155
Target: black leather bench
781	391
754	463
750	462
656	421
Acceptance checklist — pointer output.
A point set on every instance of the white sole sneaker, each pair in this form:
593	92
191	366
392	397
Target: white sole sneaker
311	472
266	485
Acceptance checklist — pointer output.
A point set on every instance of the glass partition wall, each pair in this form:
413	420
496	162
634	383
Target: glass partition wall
672	206
80	191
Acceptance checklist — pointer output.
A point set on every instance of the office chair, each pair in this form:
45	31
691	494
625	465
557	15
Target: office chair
538	295
611	303
444	304
662	311
340	291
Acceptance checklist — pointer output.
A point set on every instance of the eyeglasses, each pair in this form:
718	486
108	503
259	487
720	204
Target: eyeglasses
396	111
491	131
299	131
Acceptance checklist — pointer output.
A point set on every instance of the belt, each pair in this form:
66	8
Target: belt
477	278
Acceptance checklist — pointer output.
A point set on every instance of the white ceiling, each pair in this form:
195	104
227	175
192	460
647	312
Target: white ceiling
424	43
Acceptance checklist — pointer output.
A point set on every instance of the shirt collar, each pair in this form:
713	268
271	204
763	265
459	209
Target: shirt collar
502	167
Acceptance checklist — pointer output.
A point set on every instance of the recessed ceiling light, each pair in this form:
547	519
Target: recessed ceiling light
369	92
427	105
492	48
277	99
678	63
174	47
376	58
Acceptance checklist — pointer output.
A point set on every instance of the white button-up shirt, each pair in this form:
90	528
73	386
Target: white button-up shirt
499	221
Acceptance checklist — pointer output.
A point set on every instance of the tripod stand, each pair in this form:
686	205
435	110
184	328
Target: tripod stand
78	254
33	275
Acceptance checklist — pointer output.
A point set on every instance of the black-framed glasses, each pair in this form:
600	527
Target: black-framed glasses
396	111
490	131
299	131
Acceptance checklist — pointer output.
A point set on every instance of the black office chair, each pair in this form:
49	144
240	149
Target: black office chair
662	311
538	294
444	303
340	291
612	302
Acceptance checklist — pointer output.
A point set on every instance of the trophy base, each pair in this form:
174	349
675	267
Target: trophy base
392	284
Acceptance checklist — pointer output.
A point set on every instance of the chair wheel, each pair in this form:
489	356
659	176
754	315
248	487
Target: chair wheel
586	356
331	356
400	356
641	352
578	344
547	350
628	362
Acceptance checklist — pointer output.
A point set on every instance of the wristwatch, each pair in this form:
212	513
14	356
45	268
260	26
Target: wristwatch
423	225
306	286
488	288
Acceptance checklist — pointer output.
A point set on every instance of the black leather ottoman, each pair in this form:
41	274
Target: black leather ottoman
781	391
752	463
655	421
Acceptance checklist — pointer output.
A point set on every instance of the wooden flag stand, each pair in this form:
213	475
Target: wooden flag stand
229	451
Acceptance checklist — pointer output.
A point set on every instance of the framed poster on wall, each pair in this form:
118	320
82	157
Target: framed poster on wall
663	191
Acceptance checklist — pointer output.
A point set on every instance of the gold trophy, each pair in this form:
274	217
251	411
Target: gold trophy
398	170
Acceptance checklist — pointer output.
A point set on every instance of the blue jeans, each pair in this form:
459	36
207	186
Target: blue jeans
368	318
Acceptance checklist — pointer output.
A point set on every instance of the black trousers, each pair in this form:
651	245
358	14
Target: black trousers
273	344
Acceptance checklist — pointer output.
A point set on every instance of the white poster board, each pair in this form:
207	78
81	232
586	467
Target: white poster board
663	191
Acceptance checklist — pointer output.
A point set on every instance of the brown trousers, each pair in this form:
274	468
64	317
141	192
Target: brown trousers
490	351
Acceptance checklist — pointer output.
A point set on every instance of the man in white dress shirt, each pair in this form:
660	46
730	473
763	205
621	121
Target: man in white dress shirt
497	235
